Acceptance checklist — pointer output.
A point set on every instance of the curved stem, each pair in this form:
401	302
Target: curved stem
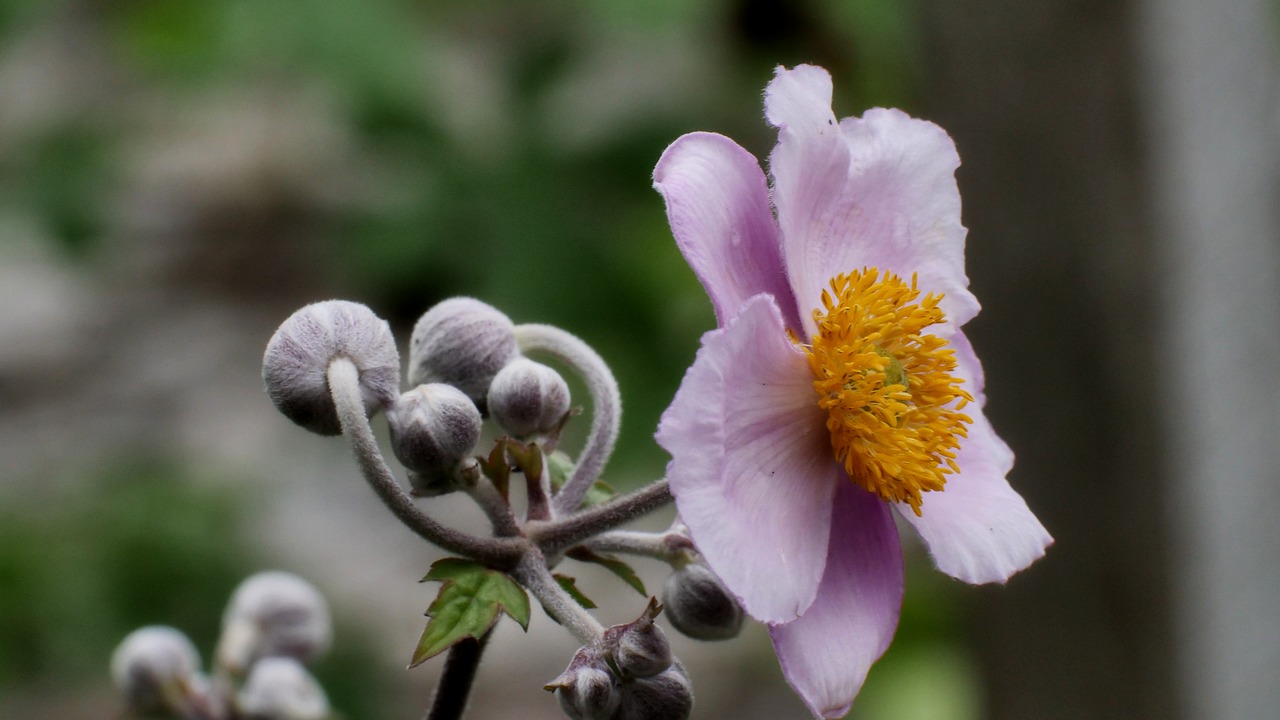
495	507
606	413
344	386
557	535
460	665
533	574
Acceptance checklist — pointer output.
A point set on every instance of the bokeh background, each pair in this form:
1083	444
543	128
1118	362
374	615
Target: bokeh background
177	177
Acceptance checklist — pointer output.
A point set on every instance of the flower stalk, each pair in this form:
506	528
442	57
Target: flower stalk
558	535
607	405
344	379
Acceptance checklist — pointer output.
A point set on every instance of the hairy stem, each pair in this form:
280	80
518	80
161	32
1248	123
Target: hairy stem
460	665
558	535
533	574
344	386
667	546
606	412
492	503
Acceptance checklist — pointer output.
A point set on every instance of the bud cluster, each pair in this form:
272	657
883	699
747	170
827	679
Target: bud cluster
274	623
630	674
464	365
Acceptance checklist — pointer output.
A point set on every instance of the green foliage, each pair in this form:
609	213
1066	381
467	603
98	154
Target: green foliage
624	571
561	466
468	605
570	586
140	545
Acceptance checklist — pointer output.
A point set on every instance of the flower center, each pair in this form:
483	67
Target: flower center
892	401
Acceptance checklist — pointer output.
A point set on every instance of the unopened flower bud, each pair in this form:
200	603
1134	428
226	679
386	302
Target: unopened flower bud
295	366
154	667
462	342
700	606
639	649
587	689
433	428
528	398
279	688
666	696
273	614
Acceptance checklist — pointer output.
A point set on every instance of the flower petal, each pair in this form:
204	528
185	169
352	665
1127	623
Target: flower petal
718	207
879	191
751	467
978	529
826	653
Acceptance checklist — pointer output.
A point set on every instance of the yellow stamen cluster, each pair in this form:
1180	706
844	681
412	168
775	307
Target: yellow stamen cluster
893	403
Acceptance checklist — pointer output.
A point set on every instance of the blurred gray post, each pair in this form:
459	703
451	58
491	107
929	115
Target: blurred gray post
1212	77
1120	186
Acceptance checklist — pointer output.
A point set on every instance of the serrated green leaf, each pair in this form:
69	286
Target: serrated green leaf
570	586
612	564
467	605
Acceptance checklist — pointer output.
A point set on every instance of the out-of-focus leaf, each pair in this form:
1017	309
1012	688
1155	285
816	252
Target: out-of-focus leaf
612	564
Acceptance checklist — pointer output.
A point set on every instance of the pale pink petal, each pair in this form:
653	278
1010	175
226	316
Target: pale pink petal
878	191
718	207
977	528
751	465
969	367
826	653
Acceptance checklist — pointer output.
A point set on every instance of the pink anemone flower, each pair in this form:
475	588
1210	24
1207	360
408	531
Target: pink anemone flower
838	388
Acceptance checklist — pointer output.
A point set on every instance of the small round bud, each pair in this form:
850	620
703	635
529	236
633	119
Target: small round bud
639	649
462	342
273	614
433	428
666	696
154	667
528	398
700	606
587	689
295	366
279	688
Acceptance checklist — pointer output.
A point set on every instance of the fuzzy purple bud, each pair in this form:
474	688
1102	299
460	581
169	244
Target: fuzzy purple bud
587	689
433	428
296	362
699	605
461	342
273	614
666	696
528	399
153	667
639	649
279	688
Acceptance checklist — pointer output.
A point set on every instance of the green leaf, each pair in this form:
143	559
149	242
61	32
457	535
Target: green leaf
561	466
599	492
571	587
467	605
612	564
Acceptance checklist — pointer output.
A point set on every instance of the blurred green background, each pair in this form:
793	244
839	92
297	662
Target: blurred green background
177	177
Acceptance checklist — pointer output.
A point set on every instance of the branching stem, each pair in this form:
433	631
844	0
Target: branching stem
344	386
533	574
558	535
